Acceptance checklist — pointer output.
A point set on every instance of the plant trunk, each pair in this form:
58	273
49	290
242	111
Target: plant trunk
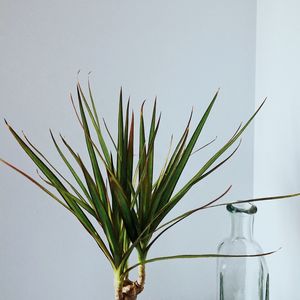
142	276
130	297
118	284
127	289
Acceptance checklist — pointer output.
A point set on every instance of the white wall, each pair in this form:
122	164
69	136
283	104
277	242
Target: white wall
277	137
181	51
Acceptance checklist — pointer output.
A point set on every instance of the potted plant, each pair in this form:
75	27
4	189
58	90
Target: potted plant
125	201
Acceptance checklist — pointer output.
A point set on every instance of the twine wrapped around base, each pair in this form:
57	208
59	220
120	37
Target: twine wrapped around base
131	289
127	289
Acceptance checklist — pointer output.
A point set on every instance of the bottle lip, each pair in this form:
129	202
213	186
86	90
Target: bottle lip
246	208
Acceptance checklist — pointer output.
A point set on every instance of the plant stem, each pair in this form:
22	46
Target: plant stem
141	271
126	289
118	284
142	276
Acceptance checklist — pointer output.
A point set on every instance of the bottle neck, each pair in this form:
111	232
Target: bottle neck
242	225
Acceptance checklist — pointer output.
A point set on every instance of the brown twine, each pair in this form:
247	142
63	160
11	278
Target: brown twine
131	289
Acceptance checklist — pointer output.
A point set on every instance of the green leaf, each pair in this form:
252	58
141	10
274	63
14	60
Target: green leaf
255	200
163	170
73	207
178	219
101	212
174	176
95	121
110	136
128	215
178	149
130	152
80	201
93	104
179	195
157	201
53	168
193	256
120	147
142	161
150	161
78	180
90	228
126	130
92	155
162	195
204	146
38	162
36	183
208	164
144	181
187	187
151	140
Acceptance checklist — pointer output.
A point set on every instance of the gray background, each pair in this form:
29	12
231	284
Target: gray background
181	51
277	137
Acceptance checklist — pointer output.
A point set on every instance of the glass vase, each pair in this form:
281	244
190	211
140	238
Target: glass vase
242	278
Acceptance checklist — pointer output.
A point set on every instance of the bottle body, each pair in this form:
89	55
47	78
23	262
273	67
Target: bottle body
242	278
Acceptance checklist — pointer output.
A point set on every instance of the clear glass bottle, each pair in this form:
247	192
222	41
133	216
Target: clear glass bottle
242	278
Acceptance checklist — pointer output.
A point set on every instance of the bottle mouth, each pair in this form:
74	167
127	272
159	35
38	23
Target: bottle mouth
246	208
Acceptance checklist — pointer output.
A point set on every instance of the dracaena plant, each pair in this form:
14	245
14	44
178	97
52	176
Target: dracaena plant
126	203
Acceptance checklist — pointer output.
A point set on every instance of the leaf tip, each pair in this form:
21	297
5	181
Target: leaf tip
159	117
266	98
51	133
71	97
190	118
24	135
142	107
121	93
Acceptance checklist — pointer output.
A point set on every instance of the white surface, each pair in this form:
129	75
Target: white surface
181	51
277	137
